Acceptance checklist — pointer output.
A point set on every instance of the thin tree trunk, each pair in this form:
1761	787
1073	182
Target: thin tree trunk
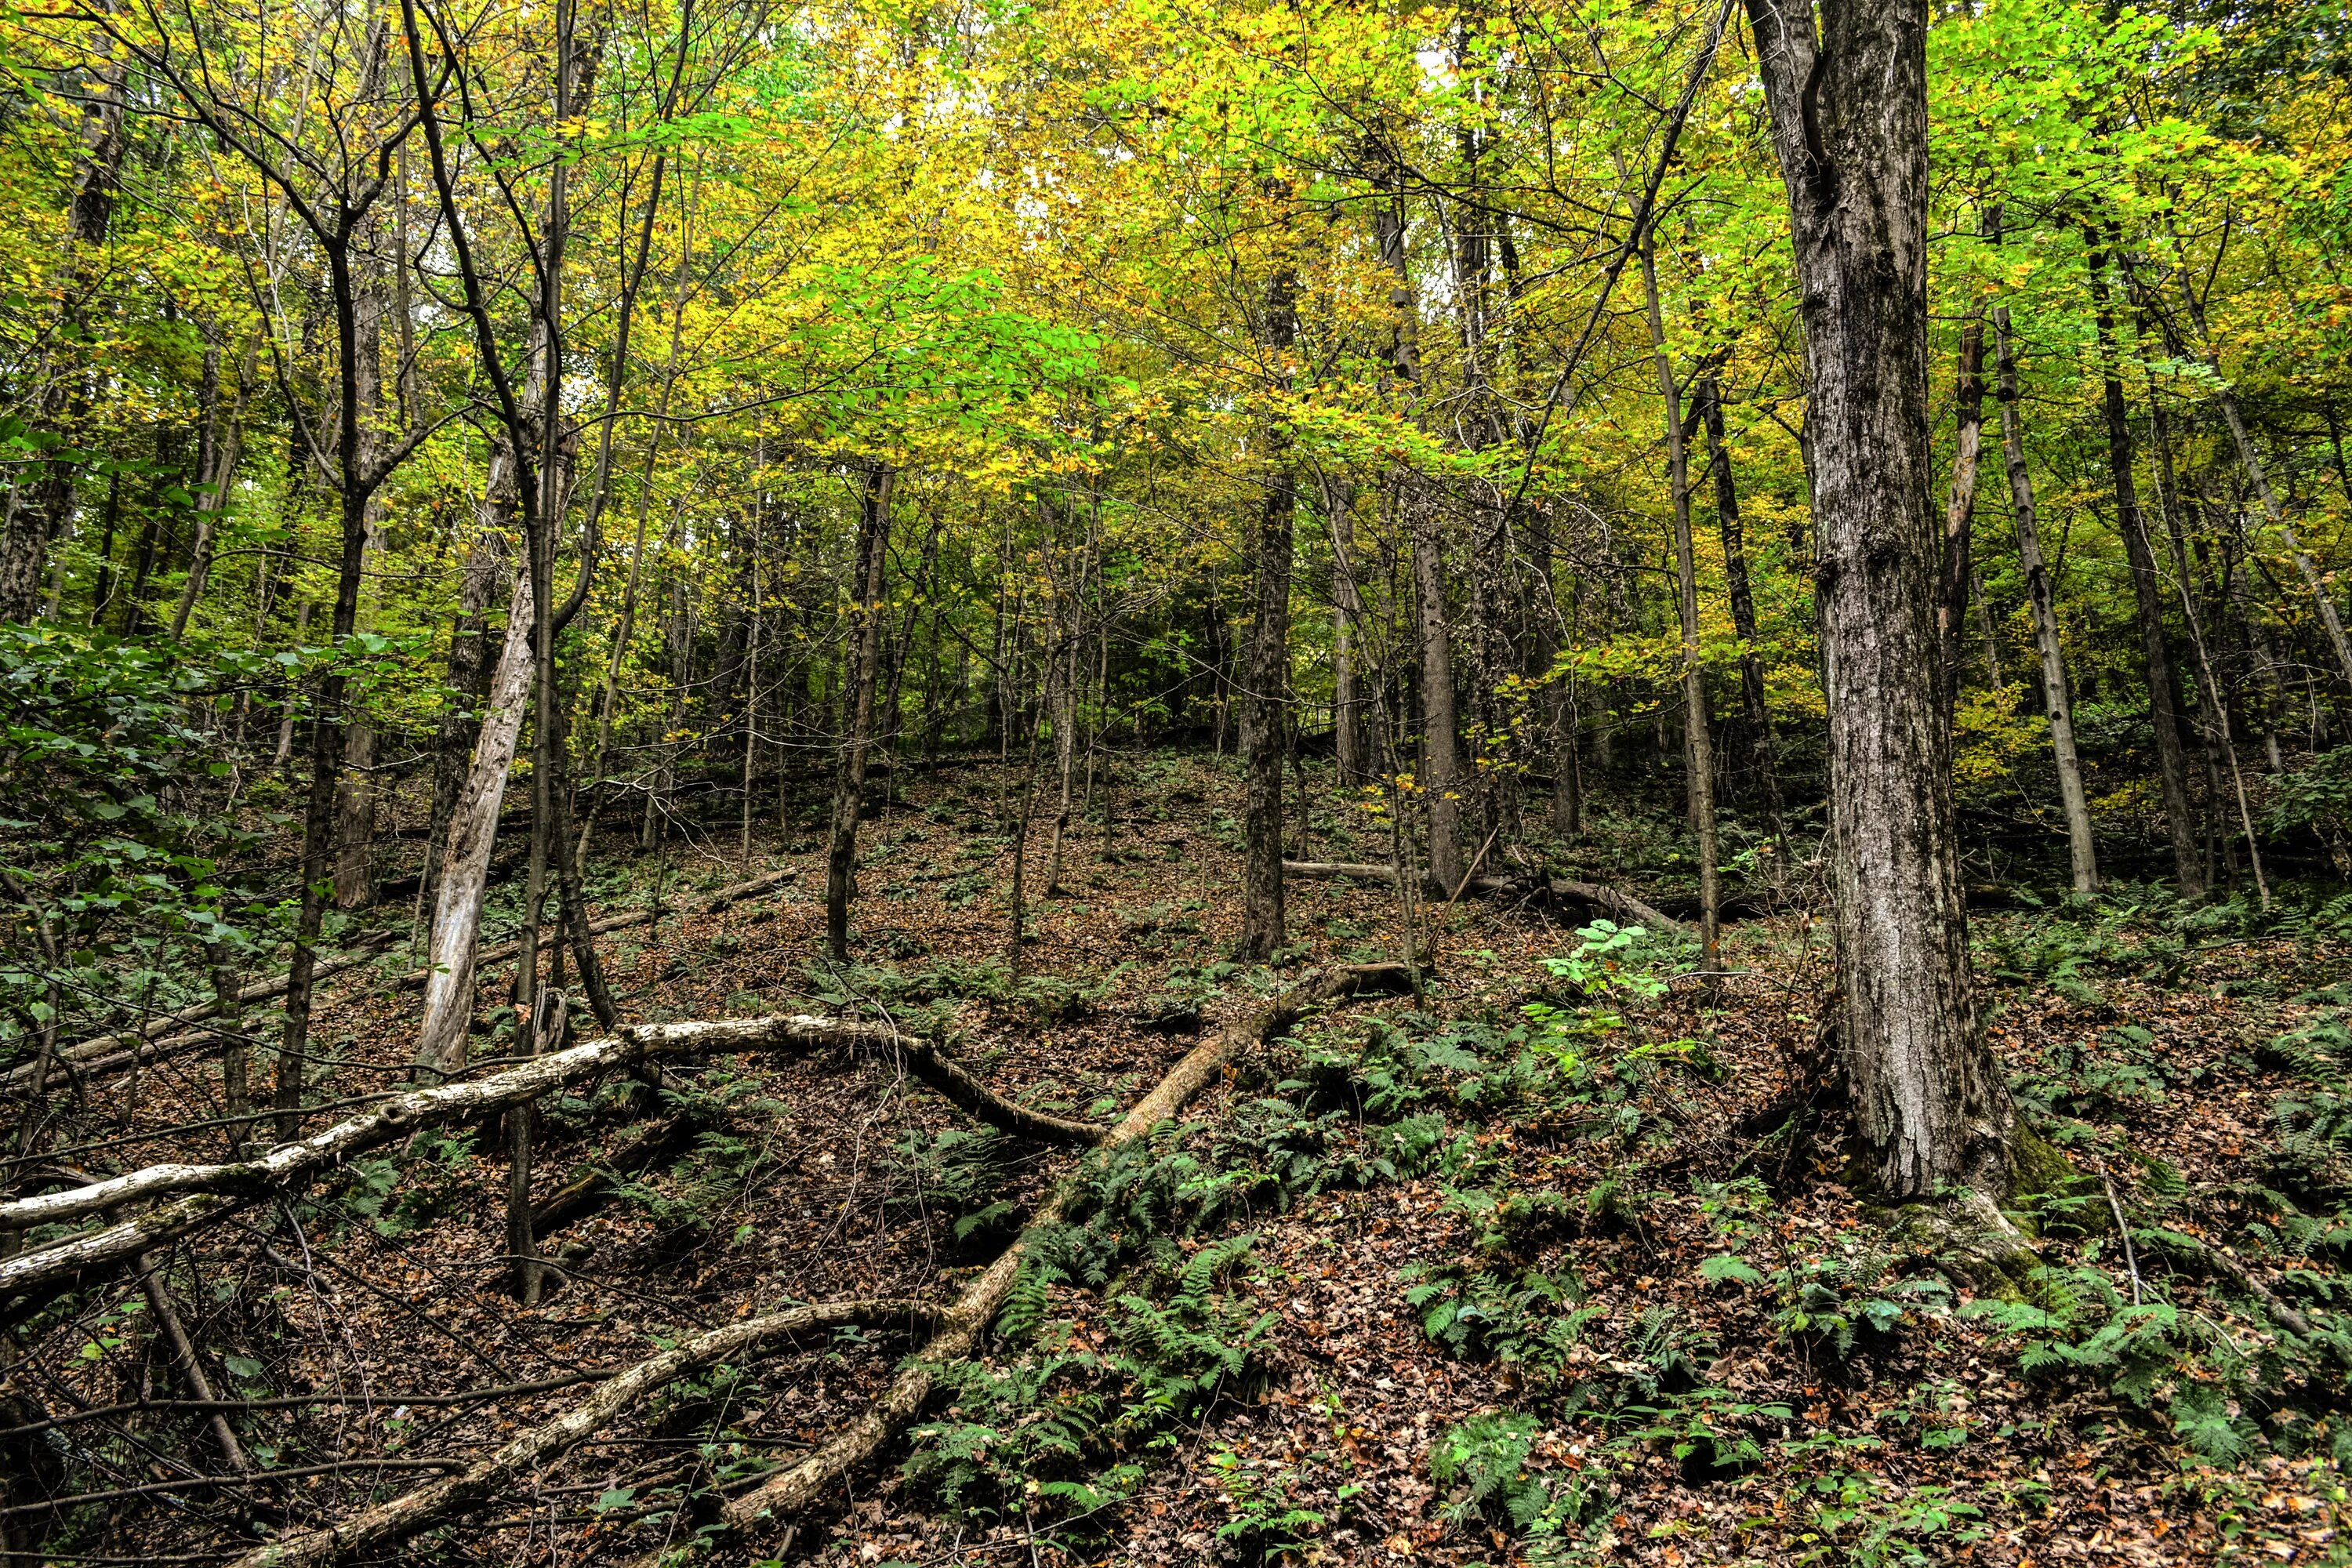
2056	694
1698	754
1267	700
31	527
214	500
1743	598
1849	119
2216	713
2251	460
857	705
2163	683
1347	614
1959	576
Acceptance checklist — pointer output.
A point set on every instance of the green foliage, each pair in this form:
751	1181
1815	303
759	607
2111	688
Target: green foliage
1521	1318
1262	1524
1069	1406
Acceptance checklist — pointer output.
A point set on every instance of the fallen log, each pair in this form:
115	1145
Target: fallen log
960	1329
406	1516
203	1195
95	1064
105	1052
1593	895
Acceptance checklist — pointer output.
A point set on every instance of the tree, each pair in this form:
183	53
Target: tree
1849	114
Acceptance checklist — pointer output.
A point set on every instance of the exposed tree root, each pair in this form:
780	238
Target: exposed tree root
483	1482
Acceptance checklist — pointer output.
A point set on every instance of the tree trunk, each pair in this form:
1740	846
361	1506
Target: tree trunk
1850	127
1698	747
1347	611
2056	694
1440	747
31	527
857	705
2251	459
468	678
1736	577
2163	682
466	861
1267	702
1959	576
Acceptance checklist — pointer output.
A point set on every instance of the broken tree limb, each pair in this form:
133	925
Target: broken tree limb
961	1330
1593	895
205	1194
404	1517
923	1061
958	1088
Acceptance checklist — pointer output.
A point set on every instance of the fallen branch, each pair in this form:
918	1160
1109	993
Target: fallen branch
962	1090
923	1061
106	1053
116	1053
961	1330
212	1192
412	1512
1592	895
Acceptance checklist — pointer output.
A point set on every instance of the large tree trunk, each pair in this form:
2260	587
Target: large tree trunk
1263	725
465	859
1850	127
857	706
2163	681
1698	747
2057	697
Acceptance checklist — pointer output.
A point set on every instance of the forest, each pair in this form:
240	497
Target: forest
1070	781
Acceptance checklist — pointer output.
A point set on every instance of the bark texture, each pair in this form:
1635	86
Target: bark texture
1849	113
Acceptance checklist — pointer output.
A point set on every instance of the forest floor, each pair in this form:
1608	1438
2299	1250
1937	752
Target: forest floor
1533	1267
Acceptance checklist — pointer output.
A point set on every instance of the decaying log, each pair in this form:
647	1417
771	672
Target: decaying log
958	1088
114	1053
205	1194
107	1052
957	1331
924	1063
404	1517
1593	895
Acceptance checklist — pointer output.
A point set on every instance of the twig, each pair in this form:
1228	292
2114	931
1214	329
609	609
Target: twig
2131	1260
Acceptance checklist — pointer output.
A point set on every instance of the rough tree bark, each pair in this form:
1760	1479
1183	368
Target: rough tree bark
1849	116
